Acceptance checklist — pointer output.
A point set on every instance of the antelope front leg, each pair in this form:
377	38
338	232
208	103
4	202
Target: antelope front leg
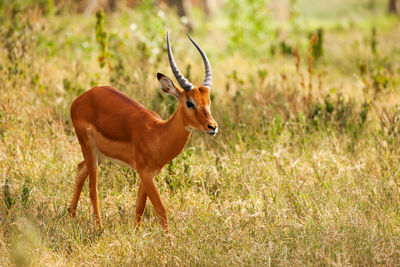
140	204
155	198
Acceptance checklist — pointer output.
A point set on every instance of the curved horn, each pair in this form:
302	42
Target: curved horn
186	85
208	77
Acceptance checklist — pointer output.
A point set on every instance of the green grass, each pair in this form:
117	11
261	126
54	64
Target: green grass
292	178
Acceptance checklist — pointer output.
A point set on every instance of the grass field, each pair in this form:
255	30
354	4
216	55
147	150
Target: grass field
305	169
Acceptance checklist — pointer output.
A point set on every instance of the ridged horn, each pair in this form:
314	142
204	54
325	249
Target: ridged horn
185	84
208	76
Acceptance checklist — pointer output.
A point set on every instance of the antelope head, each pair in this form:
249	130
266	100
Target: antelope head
193	102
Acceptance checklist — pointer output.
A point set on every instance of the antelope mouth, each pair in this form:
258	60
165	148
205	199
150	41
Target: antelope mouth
213	132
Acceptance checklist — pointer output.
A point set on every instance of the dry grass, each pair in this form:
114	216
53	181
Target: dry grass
284	183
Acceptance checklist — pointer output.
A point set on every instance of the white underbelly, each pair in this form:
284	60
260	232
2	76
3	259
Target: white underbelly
100	157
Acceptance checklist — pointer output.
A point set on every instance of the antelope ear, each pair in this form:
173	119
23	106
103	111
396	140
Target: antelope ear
168	86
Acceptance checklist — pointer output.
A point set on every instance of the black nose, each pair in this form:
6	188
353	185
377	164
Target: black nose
211	127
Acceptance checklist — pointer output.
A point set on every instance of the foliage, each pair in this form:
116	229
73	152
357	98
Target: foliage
373	40
304	169
248	23
101	37
317	45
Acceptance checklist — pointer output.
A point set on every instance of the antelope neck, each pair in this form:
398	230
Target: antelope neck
174	135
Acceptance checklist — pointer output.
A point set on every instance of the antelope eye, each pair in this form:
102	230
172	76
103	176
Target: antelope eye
190	104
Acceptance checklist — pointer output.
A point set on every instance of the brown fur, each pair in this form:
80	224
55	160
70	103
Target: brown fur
112	123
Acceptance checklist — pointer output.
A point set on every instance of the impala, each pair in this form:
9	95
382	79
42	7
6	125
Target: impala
111	125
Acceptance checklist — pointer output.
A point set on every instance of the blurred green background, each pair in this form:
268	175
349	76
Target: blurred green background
305	167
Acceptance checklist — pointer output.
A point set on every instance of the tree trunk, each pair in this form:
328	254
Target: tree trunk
393	6
184	7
